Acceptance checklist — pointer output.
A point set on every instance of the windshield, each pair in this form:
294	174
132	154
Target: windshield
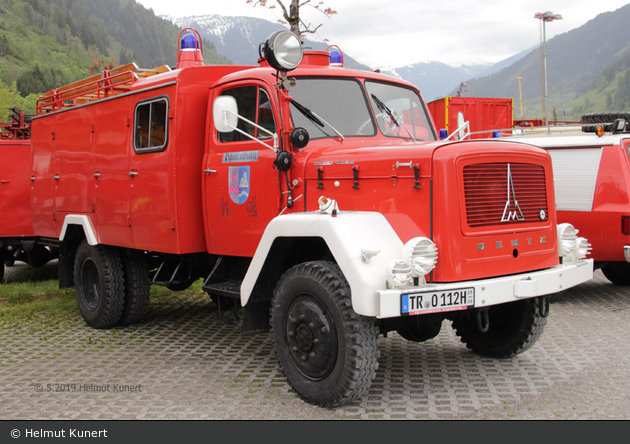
339	102
399	111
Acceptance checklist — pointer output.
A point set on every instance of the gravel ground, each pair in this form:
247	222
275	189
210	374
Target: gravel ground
182	363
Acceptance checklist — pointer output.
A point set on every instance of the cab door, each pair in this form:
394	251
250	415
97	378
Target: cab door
241	190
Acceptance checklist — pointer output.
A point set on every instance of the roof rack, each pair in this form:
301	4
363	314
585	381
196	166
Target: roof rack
107	84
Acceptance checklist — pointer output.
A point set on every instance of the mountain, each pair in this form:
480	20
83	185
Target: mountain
436	79
506	62
45	44
584	67
238	38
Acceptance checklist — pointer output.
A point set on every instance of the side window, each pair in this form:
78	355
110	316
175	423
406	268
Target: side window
254	105
151	125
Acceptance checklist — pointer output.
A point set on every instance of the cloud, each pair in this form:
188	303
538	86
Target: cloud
383	33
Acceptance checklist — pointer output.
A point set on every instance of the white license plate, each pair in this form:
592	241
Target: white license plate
437	301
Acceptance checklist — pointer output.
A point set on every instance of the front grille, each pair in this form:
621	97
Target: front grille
486	193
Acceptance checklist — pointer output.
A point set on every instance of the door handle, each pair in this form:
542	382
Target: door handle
208	171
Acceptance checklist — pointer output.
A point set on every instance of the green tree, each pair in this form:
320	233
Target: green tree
41	78
9	97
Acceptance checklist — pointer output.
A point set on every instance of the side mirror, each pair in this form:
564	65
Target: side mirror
225	114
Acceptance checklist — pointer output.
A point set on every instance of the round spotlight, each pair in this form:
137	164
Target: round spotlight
283	50
420	254
399	274
583	248
567	239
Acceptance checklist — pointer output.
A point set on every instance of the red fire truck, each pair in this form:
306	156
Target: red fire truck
17	240
592	183
317	201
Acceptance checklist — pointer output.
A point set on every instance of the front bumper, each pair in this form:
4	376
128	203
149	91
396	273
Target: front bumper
503	289
626	253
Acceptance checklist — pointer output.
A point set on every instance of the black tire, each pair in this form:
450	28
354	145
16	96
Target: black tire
181	285
513	328
137	286
419	328
328	352
40	256
607	117
618	273
2	274
99	285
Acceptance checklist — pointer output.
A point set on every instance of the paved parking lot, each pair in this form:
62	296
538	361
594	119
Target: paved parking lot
181	363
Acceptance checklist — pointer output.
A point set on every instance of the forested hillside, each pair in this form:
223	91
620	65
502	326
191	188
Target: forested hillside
586	67
45	44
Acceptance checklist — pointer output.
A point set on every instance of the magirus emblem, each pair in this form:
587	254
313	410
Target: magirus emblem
511	211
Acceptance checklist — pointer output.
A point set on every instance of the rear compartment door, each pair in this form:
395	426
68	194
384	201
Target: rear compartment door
150	176
74	162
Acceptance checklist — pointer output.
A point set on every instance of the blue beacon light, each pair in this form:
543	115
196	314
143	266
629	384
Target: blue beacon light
336	56
189	42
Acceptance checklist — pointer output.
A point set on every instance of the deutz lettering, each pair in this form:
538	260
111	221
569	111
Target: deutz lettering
514	243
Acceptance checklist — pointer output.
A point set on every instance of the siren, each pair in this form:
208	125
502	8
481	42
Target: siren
336	56
190	50
189	43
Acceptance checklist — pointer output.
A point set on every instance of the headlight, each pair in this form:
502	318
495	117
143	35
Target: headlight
583	248
399	274
420	254
567	239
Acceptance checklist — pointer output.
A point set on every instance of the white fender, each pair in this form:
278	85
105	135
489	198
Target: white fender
347	235
84	221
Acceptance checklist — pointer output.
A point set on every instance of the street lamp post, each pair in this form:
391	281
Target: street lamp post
546	17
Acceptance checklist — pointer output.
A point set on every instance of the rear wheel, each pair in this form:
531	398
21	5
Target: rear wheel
137	286
513	328
617	272
328	352
99	284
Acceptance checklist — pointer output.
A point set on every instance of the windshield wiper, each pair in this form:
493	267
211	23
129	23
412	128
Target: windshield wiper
310	115
396	120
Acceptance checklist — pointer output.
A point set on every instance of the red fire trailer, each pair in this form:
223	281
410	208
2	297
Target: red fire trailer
484	114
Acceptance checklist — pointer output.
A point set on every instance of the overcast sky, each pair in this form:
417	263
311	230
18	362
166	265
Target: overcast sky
393	33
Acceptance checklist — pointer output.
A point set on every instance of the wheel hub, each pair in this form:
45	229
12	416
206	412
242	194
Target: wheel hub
90	284
312	337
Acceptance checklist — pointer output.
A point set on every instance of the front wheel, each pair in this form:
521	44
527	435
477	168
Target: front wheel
99	284
512	329
328	352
